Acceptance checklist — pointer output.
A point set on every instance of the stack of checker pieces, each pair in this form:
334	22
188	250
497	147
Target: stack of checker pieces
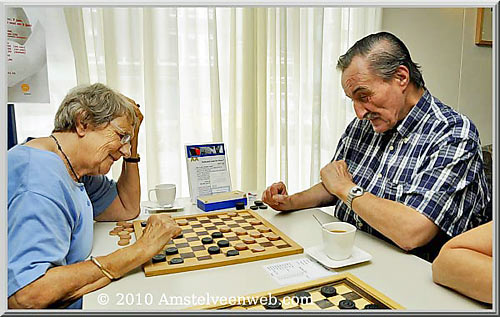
337	292
216	239
258	204
122	230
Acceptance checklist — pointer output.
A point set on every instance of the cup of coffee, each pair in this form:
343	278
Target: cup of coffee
165	194
338	240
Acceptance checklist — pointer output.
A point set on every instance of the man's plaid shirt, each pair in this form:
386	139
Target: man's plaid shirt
431	161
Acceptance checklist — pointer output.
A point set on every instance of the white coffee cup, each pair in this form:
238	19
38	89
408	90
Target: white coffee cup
338	240
165	194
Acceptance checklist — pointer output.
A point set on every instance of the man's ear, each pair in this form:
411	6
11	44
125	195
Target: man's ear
402	75
82	127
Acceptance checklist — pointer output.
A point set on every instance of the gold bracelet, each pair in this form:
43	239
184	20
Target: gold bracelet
103	270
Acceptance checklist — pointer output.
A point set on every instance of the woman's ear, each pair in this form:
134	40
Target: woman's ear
81	126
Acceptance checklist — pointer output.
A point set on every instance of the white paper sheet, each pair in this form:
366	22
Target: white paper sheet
296	271
208	171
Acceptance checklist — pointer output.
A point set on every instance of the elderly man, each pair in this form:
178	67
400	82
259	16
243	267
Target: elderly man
408	168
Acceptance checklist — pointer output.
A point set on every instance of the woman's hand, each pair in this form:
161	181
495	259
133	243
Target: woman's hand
139	116
159	230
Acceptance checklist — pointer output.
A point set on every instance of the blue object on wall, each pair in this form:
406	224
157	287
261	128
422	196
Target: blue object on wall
11	126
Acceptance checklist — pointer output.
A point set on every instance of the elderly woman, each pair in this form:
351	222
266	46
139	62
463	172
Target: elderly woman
465	264
56	187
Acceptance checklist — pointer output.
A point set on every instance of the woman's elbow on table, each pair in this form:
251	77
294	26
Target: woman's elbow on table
437	268
30	298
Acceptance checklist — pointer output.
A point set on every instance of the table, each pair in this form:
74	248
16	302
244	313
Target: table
403	277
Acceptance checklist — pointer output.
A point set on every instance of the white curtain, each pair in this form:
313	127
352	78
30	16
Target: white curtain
262	80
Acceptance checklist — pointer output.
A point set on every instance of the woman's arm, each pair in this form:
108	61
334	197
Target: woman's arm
465	263
126	205
63	284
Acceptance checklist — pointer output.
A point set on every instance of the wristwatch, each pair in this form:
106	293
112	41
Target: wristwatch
132	159
354	192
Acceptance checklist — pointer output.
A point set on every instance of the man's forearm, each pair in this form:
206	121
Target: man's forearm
402	224
316	196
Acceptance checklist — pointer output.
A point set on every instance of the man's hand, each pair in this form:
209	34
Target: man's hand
277	197
337	179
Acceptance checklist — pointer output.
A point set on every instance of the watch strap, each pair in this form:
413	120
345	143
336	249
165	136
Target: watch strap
349	201
132	159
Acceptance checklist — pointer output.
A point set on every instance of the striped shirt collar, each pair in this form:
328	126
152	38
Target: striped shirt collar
415	116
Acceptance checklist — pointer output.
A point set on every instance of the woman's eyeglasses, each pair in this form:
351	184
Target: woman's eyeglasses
125	137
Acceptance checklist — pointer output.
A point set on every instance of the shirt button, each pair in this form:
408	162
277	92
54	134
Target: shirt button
391	148
379	175
82	189
405	140
360	225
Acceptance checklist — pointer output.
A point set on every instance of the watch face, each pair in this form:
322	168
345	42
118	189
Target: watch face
357	190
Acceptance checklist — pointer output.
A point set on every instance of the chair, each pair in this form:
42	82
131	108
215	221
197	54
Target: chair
11	126
488	171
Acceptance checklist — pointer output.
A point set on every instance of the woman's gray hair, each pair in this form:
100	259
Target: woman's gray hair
385	53
95	104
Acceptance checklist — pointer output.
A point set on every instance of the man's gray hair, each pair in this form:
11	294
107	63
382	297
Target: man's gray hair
385	53
95	104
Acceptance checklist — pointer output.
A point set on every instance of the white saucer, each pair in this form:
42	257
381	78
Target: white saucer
151	205
358	256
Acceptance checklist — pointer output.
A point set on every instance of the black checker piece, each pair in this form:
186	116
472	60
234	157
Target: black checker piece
176	261
217	235
372	306
171	251
223	243
232	253
273	303
328	291
213	249
159	258
302	297
207	240
347	304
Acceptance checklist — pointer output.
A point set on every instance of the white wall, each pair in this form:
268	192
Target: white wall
455	70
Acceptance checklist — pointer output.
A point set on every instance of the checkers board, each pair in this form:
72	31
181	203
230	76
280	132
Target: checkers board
349	292
243	233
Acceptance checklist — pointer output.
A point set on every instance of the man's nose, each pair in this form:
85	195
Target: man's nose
360	110
125	150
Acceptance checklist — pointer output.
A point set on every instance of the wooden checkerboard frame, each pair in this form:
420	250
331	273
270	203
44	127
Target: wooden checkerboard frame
151	269
344	280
